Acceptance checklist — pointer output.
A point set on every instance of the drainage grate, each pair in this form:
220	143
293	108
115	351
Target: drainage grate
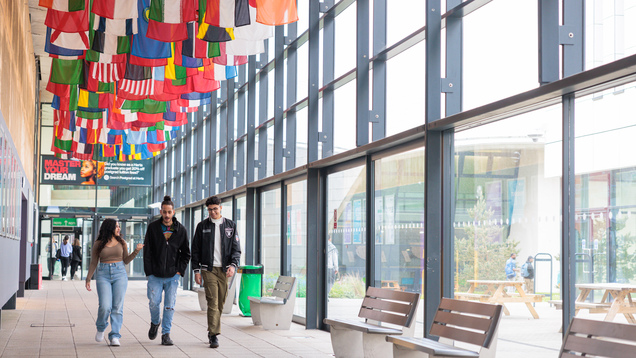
52	325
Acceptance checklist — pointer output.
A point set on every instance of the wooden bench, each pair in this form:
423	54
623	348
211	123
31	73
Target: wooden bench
386	312
474	323
275	312
599	338
470	296
593	307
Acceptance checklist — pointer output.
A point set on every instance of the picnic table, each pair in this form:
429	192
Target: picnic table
496	293
616	299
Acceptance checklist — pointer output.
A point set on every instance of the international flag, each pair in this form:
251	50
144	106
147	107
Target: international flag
195	47
241	47
67	40
69	72
225	59
173	11
143	46
211	33
60	52
276	12
106	150
118	27
110	44
64	5
255	30
147	62
116	9
166	32
76	21
107	72
94	56
227	13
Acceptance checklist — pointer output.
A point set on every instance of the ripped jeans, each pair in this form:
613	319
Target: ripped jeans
156	286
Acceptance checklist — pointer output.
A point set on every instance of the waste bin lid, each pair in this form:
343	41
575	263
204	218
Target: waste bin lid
251	269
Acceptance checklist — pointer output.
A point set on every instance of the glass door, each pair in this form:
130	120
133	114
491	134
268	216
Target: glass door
47	248
134	232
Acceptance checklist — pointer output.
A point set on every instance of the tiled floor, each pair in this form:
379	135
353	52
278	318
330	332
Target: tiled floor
60	321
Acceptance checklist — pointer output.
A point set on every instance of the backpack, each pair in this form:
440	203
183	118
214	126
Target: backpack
524	270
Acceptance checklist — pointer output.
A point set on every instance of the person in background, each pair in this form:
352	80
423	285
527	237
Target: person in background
166	256
527	272
511	270
76	257
109	257
66	250
216	254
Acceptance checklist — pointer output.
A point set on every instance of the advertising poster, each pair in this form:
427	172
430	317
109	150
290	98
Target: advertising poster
357	221
347	224
90	172
378	219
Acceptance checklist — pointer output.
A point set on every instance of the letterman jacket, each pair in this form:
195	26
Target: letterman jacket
203	245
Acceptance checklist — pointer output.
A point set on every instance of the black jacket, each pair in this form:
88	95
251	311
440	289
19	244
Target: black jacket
203	245
164	258
77	253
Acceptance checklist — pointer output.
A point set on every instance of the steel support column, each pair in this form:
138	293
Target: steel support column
362	72
568	210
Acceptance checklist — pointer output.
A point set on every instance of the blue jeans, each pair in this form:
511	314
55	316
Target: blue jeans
156	285
112	281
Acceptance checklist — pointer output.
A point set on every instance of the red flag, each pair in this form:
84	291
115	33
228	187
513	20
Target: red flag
76	21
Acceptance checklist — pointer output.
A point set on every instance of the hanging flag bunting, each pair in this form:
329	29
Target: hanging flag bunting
125	74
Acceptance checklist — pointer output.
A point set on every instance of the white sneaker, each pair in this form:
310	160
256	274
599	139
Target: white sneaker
114	342
64	278
99	336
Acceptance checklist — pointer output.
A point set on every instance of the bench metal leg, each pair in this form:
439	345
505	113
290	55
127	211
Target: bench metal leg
255	309
376	346
346	343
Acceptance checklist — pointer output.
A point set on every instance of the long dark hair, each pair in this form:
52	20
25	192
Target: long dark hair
106	231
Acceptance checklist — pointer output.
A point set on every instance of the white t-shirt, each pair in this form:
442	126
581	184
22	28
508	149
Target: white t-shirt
218	261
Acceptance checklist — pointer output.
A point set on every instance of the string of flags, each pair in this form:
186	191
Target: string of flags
126	73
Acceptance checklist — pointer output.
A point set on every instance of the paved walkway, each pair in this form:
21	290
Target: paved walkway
60	321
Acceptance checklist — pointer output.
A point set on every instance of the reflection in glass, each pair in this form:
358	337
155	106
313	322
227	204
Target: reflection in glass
507	201
346	242
296	242
270	239
240	219
605	217
399	223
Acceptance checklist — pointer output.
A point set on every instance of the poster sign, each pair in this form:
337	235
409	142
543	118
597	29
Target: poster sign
91	172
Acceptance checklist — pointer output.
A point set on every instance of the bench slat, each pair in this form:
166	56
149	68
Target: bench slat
384	305
392	295
431	347
594	346
603	329
383	316
473	322
361	326
469	307
458	334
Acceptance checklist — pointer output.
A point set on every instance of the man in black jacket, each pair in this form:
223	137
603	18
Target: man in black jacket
216	253
166	256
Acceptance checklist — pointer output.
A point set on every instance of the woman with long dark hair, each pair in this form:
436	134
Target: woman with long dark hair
110	255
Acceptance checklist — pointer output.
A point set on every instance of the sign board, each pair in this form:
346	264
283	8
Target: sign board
91	172
64	222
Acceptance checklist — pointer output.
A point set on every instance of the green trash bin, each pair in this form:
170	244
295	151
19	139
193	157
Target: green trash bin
251	278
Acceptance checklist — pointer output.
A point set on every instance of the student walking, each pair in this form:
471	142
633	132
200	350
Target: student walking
76	257
110	255
66	250
216	254
166	256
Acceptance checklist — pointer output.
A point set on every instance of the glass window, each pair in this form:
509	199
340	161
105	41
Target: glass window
605	193
344	120
403	18
240	219
492	71
302	79
270	238
405	90
346	241
297	241
345	41
45	141
609	31
507	214
399	223
270	149
301	137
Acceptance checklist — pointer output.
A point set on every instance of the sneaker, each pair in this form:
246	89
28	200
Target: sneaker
165	340
114	342
64	278
214	340
152	333
99	336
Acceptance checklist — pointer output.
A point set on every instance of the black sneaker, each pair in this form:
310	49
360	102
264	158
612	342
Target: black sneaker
165	340
152	333
214	340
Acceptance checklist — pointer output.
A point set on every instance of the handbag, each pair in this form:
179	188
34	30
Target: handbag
58	254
